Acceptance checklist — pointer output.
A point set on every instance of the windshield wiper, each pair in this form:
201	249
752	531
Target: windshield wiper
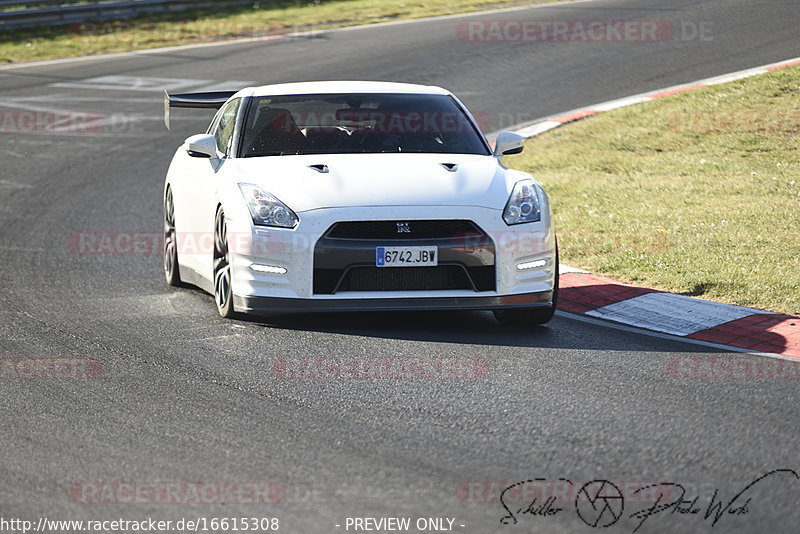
259	154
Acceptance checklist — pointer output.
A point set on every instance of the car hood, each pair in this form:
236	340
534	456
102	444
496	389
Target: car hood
355	180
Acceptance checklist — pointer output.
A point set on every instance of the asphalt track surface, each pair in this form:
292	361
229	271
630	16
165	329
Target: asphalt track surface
187	396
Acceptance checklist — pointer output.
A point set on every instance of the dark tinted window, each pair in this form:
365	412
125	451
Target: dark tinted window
358	123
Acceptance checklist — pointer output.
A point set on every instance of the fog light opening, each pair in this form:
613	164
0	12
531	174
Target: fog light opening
271	269
531	265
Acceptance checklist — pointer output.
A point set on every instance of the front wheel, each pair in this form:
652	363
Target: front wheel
530	316
223	293
171	270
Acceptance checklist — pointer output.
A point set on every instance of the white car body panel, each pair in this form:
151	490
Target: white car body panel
293	250
377	180
357	187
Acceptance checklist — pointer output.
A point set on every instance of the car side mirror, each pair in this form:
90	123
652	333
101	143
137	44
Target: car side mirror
202	146
508	143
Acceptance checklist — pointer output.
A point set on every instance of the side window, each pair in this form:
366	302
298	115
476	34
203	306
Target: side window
223	130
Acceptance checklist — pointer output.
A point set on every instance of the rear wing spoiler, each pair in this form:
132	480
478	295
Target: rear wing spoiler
208	100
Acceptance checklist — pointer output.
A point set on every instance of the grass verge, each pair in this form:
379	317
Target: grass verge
209	25
696	193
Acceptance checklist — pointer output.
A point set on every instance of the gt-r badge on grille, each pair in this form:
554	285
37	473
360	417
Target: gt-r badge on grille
403	228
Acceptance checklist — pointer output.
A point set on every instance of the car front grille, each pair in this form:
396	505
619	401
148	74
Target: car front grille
383	230
344	257
369	278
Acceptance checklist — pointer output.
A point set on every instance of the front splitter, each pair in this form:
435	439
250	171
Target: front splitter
257	305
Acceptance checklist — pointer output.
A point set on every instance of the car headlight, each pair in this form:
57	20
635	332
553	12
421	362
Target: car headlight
267	210
523	204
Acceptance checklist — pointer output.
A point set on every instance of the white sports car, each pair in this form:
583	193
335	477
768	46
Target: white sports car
347	196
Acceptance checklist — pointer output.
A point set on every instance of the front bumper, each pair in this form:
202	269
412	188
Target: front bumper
301	252
258	305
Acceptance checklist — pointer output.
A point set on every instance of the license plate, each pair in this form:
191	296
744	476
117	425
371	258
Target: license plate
407	256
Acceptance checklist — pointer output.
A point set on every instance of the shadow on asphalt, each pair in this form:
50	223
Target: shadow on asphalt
473	328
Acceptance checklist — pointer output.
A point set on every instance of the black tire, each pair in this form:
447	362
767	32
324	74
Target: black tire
530	316
223	294
171	268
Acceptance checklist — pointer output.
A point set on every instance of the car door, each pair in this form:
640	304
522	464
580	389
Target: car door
202	179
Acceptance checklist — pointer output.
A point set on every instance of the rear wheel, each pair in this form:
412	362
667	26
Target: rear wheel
171	269
223	294
530	316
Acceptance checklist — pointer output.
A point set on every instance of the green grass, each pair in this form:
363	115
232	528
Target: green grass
696	193
263	18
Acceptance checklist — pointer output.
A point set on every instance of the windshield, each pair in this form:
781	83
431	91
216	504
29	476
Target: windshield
358	123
